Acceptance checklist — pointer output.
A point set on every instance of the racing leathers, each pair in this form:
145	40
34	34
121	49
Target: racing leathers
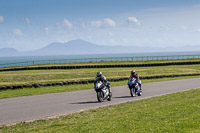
137	79
103	80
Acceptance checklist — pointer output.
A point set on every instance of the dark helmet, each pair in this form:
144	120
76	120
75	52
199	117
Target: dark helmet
132	72
99	74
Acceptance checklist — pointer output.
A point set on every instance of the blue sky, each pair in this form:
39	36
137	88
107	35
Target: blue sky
32	24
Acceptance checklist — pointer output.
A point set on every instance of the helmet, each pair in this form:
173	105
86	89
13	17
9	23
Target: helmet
99	74
132	72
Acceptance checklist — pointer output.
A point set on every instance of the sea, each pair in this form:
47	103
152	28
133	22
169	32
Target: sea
30	60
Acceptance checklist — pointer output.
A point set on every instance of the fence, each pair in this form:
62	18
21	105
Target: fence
139	58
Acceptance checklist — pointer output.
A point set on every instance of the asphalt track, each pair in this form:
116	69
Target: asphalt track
14	110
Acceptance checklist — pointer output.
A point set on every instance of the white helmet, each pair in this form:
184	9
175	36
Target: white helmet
99	74
132	72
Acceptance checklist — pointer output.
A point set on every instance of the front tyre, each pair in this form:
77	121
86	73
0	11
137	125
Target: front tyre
132	91
110	97
100	96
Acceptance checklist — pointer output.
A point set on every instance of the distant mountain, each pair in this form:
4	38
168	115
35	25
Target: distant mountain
68	48
78	47
8	52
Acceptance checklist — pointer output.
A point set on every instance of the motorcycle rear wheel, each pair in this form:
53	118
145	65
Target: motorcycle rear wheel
140	93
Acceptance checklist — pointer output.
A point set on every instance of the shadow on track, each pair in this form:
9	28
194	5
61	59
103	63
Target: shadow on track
85	102
90	102
123	97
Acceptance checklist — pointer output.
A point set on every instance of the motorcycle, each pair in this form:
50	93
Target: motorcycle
134	87
102	91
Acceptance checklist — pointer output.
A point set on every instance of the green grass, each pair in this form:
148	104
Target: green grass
178	112
44	76
56	89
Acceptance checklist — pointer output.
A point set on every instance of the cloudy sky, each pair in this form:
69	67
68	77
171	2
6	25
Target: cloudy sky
32	24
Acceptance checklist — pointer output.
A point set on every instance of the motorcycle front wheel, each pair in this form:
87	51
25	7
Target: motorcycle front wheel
132	91
110	97
100	96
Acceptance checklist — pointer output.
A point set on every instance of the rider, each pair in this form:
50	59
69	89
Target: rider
134	75
102	78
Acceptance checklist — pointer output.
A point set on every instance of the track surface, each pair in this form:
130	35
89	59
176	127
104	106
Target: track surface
14	110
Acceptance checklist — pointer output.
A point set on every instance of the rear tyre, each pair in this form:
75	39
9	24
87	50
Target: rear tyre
140	93
100	96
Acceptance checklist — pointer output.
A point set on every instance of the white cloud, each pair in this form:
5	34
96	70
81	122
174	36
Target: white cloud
83	25
1	19
46	30
103	24
67	23
27	21
133	20
109	22
17	32
96	23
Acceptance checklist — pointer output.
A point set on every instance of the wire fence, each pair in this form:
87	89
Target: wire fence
139	58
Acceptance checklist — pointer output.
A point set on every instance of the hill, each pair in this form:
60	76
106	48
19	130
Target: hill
79	47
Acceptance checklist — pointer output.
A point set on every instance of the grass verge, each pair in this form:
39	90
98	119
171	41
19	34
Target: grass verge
50	76
178	112
56	89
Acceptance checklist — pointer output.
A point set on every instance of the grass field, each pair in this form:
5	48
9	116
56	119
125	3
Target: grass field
178	112
44	76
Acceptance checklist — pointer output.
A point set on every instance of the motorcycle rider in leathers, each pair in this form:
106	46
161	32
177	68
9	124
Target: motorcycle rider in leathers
134	75
102	78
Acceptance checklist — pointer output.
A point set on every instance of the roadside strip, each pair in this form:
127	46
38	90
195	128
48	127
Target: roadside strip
39	85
